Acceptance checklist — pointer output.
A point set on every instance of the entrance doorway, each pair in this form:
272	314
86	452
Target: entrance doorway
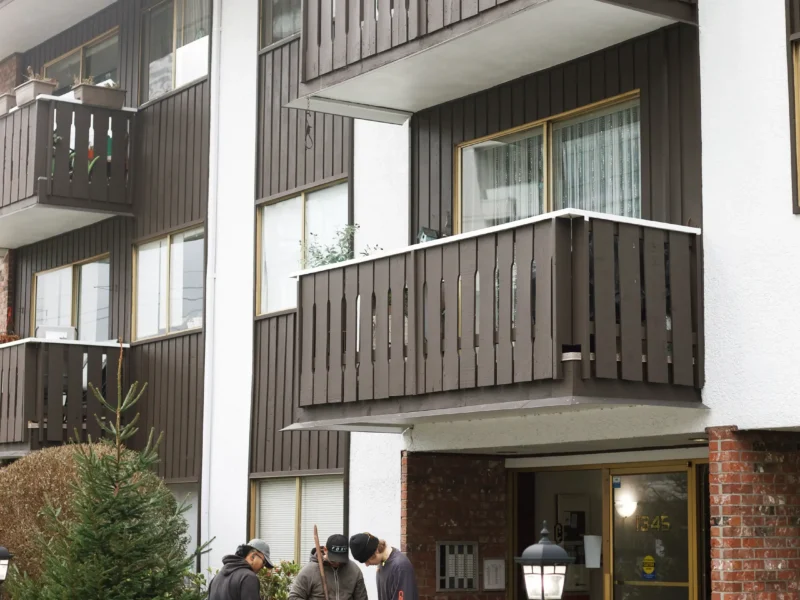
649	521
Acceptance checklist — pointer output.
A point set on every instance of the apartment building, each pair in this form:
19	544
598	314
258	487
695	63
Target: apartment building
587	207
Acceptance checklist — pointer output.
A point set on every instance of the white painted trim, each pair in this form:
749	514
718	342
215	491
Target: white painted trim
576	460
351	109
33	340
73	101
572	213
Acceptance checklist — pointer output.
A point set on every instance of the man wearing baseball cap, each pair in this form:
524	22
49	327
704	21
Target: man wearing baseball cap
238	580
344	578
395	579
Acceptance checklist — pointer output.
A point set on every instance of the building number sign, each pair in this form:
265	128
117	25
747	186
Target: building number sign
657	523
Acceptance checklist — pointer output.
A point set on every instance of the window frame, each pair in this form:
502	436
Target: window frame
795	83
546	124
302	194
142	53
135	288
298	507
76	281
265	16
114	31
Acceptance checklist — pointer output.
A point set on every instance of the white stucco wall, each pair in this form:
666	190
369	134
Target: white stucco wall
375	490
380	185
230	319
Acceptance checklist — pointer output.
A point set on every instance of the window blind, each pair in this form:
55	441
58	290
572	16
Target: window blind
276	517
322	504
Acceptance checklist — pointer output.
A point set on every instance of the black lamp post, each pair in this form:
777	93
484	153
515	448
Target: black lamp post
545	567
5	559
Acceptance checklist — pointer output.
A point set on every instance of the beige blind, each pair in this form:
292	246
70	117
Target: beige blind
275	523
322	505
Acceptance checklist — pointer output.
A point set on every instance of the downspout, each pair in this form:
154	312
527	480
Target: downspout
211	271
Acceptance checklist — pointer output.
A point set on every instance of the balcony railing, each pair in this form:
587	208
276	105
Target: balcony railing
504	306
44	392
66	153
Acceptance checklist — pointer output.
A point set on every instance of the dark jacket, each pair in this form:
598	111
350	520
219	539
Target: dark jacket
236	581
344	582
396	579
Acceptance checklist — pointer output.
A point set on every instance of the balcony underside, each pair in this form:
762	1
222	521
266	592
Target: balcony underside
506	42
572	393
32	221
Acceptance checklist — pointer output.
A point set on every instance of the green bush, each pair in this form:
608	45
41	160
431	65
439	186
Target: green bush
276	585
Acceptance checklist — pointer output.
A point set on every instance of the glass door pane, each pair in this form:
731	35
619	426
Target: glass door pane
651	536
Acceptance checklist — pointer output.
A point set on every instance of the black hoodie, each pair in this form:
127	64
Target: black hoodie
236	581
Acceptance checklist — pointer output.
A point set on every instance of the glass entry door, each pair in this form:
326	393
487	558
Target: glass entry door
652	541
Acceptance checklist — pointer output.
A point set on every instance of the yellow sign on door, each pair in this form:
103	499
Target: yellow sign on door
649	567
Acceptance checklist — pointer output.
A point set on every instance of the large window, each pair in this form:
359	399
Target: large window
279	20
73	301
590	160
175	45
289	507
169	284
98	60
288	227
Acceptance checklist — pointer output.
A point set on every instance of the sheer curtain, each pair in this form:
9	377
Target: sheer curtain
597	162
502	180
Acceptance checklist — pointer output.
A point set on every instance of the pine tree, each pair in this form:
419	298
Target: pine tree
127	538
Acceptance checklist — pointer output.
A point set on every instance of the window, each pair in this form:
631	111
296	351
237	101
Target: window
289	507
279	20
795	75
98	59
76	296
176	36
169	284
288	226
456	566
591	161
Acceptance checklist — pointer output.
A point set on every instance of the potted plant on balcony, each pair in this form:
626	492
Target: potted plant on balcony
36	85
106	95
7	102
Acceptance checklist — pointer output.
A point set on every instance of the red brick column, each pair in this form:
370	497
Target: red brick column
755	514
449	497
10	73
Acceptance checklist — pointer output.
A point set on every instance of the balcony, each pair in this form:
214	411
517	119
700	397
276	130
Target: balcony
63	165
403	57
569	308
44	396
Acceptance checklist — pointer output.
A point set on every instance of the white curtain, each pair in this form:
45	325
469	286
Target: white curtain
597	162
503	180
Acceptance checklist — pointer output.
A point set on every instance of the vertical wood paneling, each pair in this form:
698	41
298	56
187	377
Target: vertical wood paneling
274	396
295	149
664	66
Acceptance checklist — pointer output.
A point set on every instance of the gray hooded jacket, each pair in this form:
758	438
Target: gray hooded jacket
344	583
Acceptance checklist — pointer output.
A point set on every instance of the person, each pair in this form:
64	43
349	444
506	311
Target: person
395	578
238	579
344	578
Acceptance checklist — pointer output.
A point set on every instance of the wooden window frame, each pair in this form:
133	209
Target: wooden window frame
143	34
303	195
75	266
114	31
298	507
134	286
794	49
547	133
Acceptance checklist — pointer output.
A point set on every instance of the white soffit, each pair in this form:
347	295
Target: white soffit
27	23
40	222
528	41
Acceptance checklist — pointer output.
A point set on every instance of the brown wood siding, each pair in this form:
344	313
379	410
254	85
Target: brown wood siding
171	162
275	390
664	66
296	148
172	404
112	236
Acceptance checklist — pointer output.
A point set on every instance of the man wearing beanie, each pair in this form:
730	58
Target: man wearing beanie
345	580
395	579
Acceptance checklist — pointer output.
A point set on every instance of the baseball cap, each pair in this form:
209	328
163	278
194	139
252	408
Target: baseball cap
263	547
337	549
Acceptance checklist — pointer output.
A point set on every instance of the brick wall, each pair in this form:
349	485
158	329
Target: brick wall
755	514
5	291
451	498
10	73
